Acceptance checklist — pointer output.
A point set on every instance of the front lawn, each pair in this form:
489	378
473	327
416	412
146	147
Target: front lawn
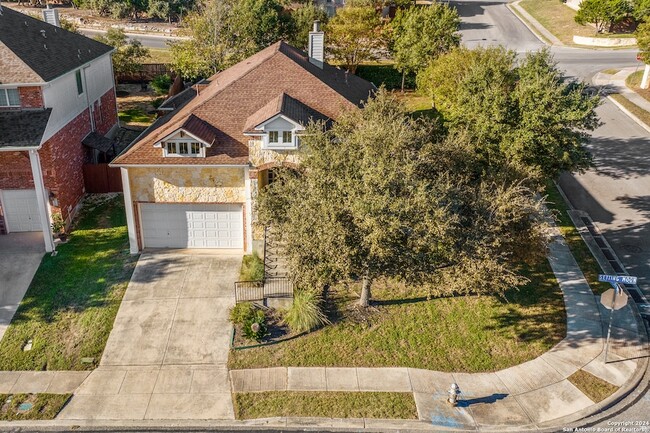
558	19
403	328
69	308
385	405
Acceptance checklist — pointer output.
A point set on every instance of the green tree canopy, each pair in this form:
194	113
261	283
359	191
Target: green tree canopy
643	41
354	34
303	19
641	10
128	55
604	14
224	32
420	34
379	196
528	115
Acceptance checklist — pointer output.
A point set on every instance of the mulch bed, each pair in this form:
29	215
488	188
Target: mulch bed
277	332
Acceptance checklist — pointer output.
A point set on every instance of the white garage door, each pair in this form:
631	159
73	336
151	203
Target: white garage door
21	210
192	226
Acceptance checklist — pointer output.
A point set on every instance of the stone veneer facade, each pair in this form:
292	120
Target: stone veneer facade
187	185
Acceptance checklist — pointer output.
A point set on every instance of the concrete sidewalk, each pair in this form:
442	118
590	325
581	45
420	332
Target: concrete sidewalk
616	84
525	396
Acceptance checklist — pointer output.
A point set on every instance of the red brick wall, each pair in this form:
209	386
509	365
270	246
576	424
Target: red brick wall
31	97
15	171
62	157
105	113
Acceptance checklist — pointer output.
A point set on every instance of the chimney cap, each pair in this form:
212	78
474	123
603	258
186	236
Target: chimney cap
316	26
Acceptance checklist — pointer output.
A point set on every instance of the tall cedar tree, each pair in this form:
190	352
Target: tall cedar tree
383	195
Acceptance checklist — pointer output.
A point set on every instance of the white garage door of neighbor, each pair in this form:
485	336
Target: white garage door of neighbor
21	210
192	226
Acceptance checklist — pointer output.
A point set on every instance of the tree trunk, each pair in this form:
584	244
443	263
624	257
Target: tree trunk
364	301
403	77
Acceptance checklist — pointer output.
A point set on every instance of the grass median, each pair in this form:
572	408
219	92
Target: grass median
383	405
580	250
69	308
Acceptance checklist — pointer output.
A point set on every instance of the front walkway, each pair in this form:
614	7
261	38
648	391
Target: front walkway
166	355
524	396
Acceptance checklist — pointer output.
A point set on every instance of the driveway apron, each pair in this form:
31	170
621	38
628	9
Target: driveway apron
166	355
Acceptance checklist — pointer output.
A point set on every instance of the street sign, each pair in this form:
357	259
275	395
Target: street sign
625	279
608	301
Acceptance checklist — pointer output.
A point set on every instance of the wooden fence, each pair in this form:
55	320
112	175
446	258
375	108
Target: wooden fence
100	178
148	73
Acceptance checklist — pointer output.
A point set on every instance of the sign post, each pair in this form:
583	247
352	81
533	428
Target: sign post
614	299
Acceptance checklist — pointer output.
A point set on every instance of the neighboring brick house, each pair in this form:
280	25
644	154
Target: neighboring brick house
190	179
56	88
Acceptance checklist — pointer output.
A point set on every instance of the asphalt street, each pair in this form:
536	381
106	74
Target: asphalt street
616	192
147	40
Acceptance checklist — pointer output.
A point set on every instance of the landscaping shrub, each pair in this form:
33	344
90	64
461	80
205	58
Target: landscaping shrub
255	326
161	84
241	312
252	268
305	313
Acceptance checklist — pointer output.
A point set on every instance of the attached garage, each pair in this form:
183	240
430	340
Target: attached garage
192	226
20	209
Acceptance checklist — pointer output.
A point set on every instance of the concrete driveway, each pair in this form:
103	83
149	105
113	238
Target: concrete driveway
166	355
20	256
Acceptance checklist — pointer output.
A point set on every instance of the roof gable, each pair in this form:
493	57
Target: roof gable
45	50
286	106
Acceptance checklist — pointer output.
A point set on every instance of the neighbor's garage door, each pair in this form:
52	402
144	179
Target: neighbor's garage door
192	226
21	210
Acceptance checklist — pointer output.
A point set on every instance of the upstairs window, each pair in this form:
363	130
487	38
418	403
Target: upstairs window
9	98
183	148
281	140
80	84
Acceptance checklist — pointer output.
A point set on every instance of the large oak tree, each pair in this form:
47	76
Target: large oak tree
384	195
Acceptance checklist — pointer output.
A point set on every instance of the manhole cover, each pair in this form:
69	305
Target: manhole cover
24	407
632	248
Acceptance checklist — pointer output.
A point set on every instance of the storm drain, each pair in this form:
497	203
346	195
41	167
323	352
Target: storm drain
609	255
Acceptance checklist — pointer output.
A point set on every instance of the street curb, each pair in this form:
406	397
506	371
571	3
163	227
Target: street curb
533	25
629	113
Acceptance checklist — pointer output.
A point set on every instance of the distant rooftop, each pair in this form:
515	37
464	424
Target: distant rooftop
33	51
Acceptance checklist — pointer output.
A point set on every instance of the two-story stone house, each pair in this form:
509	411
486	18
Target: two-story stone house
191	179
56	87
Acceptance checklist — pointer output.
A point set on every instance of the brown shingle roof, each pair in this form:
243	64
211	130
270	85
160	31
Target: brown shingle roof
288	106
237	93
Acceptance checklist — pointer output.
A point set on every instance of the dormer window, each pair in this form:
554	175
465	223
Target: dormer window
285	139
187	149
9	98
